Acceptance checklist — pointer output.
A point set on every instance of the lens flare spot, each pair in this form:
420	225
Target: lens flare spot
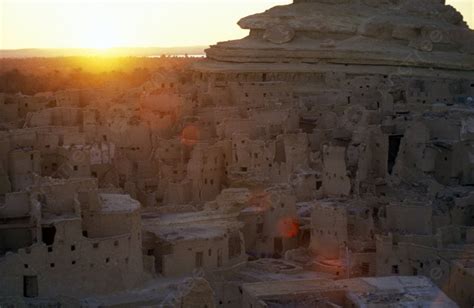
288	227
190	135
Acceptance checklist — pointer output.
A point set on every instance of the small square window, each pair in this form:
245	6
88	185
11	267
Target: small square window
95	245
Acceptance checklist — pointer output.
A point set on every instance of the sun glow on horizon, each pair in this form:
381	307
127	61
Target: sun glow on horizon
101	38
95	27
104	24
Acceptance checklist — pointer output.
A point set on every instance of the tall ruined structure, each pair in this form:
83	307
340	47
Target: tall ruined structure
379	94
356	64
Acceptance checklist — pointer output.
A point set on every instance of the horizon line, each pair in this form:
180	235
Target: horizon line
107	48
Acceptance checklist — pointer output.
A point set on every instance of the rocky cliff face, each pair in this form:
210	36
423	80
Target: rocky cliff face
426	33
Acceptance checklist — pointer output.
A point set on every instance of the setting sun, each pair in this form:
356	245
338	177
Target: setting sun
94	26
103	24
99	34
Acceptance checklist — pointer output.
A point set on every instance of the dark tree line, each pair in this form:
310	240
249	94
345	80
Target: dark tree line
34	75
15	81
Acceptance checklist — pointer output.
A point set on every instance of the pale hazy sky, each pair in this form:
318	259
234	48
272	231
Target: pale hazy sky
108	23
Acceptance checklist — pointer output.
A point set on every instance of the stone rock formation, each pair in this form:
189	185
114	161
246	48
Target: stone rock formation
355	32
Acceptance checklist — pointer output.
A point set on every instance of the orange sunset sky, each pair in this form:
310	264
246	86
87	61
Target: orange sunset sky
133	23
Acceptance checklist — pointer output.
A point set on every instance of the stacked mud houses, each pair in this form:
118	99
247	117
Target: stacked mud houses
327	159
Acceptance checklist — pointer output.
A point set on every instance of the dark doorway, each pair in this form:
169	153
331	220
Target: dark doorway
163	249
278	246
48	233
199	259
365	268
280	153
30	286
305	238
395	270
394	142
159	264
319	184
234	243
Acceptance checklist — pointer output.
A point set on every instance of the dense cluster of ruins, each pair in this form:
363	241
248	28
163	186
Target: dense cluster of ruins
326	160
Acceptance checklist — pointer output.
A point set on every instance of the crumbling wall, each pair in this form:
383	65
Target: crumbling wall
277	232
461	282
328	229
92	266
205	171
409	218
22	167
335	179
187	256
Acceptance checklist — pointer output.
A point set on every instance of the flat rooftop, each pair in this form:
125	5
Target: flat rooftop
412	291
118	203
191	226
272	270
